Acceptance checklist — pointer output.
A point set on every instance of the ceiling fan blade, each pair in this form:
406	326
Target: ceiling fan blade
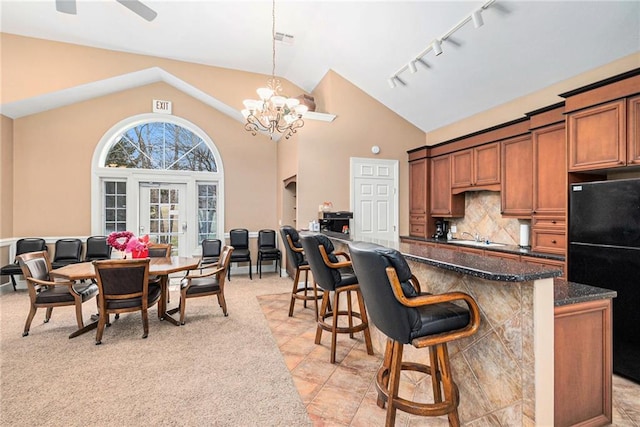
66	6
141	9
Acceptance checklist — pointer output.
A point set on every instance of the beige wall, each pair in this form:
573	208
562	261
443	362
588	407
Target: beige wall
60	143
520	106
325	150
6	177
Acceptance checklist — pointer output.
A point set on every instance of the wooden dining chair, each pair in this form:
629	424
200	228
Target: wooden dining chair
210	281
49	293
123	286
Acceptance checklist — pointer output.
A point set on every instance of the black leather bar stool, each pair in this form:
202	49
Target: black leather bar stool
335	276
295	255
406	315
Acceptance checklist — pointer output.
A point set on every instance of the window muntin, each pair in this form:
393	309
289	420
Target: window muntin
207	211
115	206
161	146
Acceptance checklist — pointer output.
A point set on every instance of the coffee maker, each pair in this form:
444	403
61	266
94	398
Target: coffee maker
442	227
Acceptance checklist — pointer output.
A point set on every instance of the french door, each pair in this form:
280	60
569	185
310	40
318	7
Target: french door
163	214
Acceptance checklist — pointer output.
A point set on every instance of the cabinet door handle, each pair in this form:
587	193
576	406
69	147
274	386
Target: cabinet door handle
554	242
553	222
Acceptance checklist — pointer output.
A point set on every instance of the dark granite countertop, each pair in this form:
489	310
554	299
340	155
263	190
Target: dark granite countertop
484	267
492	268
509	249
566	293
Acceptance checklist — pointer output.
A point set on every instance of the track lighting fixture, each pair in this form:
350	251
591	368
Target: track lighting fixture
437	48
476	17
436	44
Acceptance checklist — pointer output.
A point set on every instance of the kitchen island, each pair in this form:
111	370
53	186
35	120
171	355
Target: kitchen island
505	372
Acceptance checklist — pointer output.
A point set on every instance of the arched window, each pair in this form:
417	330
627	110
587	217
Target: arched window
158	175
161	145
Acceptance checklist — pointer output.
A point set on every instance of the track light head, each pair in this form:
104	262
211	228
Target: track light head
412	67
392	82
437	48
476	17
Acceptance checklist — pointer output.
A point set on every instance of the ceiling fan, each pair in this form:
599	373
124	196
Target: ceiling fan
136	6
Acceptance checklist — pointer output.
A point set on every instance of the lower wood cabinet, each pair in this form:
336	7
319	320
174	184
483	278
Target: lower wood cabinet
583	364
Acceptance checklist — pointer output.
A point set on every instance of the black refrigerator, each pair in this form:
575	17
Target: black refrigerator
604	251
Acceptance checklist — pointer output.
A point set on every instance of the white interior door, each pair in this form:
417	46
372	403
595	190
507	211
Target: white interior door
374	198
163	214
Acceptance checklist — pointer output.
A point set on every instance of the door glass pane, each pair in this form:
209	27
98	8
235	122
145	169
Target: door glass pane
115	207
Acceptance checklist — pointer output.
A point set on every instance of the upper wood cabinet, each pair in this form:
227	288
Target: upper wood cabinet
477	168
516	189
418	197
597	137
549	171
633	131
443	202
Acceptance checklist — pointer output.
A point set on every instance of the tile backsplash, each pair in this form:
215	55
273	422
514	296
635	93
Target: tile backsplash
482	216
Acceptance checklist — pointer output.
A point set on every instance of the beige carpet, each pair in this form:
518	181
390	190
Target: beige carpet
213	371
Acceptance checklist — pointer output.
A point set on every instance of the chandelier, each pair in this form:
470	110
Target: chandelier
273	112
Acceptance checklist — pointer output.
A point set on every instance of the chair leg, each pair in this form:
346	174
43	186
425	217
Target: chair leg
435	374
448	386
320	316
13	282
334	325
350	313
183	307
394	383
364	319
47	316
104	319
382	379
223	304
145	323
293	293
250	277
229	272
30	316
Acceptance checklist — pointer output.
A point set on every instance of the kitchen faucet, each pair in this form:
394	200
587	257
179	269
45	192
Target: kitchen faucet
476	238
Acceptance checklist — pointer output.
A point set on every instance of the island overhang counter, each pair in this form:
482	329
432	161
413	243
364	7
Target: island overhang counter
505	372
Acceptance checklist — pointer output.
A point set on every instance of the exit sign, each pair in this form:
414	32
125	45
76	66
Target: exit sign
160	106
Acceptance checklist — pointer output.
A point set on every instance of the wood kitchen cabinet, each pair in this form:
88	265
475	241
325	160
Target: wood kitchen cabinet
548	231
443	203
477	168
583	365
516	184
633	130
418	197
597	137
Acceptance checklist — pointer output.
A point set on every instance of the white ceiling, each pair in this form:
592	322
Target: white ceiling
523	46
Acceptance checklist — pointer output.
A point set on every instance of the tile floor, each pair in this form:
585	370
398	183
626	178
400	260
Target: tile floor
344	394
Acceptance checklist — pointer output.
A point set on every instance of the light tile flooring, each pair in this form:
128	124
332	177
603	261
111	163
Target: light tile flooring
344	394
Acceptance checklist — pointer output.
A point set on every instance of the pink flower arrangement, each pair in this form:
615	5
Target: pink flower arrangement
126	241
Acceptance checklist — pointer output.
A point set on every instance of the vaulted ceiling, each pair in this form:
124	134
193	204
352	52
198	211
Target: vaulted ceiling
522	47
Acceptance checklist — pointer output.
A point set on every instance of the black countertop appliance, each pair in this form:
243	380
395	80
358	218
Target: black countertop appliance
336	221
604	251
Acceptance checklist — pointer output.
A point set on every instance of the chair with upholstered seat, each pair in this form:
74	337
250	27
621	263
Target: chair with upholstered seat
48	293
267	250
210	251
399	309
296	259
123	286
67	251
97	249
239	239
336	276
23	246
210	281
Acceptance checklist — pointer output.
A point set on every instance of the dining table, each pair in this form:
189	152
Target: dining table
158	266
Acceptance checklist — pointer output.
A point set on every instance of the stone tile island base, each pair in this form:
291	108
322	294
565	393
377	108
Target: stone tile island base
505	372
